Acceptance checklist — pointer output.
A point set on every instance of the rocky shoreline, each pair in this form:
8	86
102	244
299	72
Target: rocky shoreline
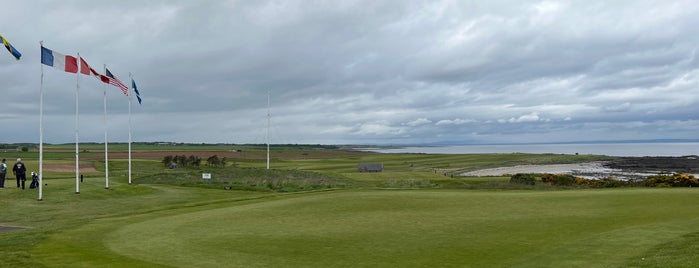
682	164
624	168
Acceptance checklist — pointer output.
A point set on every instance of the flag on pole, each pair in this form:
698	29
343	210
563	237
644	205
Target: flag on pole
135	89
86	69
59	61
10	48
109	78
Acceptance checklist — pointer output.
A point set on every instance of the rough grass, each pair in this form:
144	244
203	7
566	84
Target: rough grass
157	222
248	179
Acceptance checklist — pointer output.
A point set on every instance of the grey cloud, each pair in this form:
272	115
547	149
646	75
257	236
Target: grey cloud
362	71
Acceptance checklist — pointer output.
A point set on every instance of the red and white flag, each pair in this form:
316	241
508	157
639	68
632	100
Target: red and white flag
86	69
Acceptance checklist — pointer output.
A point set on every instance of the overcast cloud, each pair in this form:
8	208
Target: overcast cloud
368	72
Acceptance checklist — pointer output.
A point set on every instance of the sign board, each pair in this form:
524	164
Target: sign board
206	176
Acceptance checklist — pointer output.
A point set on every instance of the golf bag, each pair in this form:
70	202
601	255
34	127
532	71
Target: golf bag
35	181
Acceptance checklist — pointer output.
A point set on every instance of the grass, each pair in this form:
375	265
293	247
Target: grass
414	214
63	210
441	164
370	228
249	179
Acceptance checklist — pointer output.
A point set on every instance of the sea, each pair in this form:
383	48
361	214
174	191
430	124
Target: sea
609	149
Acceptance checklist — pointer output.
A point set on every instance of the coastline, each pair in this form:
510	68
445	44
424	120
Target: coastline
625	168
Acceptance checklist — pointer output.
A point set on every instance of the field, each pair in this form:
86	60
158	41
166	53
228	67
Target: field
314	210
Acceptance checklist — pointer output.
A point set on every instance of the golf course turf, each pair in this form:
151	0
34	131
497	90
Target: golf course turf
416	228
586	228
360	224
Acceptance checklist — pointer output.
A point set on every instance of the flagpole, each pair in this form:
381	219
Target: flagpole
77	152
41	130
268	119
106	151
130	76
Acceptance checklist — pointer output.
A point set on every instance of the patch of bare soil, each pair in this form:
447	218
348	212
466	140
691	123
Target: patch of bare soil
84	167
159	155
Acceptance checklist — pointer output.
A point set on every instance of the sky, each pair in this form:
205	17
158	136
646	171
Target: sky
355	72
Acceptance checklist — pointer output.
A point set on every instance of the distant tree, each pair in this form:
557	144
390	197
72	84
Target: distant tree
182	160
192	160
213	161
167	160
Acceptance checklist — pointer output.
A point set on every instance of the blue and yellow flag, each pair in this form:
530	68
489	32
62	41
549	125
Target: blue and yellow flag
10	48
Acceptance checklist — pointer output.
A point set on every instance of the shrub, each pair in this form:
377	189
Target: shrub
522	178
685	180
611	183
601	183
676	180
558	179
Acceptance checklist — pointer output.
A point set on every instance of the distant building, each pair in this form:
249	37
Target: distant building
370	167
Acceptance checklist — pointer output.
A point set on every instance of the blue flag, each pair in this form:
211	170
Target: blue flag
135	89
10	48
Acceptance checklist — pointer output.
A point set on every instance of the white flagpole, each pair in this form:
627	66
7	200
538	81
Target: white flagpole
41	130
77	158
268	119
131	77
106	151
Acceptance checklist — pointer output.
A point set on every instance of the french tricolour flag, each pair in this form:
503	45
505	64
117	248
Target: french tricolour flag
59	61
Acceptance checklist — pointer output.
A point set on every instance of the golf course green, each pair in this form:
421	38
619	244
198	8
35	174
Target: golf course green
419	228
354	222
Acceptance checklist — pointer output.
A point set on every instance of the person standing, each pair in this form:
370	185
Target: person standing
20	172
3	172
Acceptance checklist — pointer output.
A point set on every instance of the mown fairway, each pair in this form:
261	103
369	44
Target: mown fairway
189	227
359	224
420	228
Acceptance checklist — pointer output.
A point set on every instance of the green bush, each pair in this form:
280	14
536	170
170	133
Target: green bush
601	183
611	183
522	178
558	179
